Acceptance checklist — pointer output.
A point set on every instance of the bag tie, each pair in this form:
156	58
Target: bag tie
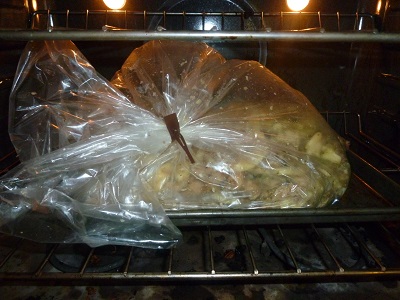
172	123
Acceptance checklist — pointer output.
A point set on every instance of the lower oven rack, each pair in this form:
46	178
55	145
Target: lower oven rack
344	252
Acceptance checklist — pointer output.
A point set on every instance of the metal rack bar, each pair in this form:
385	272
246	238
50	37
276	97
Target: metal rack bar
82	270
262	23
248	245
7	155
393	238
48	19
46	260
367	141
67	19
9	167
365	247
227	36
128	261
183	21
340	268
86	19
121	279
298	270
171	253
211	251
319	20
375	142
10	253
287	216
375	151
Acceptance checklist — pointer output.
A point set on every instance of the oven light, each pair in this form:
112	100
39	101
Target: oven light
378	7
115	4
34	5
209	25
297	5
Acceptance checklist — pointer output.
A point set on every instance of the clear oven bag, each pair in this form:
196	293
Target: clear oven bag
256	142
82	145
99	165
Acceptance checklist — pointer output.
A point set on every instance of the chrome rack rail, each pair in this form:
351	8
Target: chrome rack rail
231	36
206	26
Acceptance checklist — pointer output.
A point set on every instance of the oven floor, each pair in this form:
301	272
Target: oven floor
334	291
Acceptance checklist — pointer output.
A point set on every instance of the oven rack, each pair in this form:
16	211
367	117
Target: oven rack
353	132
269	253
136	20
123	25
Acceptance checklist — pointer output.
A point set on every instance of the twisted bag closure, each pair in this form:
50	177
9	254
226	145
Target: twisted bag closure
172	123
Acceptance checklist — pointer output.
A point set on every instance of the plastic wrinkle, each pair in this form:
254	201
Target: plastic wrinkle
100	165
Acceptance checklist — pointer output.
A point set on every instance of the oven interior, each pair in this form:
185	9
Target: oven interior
353	82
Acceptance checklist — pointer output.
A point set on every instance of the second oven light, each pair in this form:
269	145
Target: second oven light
297	5
115	4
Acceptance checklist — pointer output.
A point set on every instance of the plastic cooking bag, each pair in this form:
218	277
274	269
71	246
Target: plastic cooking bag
255	141
197	132
83	145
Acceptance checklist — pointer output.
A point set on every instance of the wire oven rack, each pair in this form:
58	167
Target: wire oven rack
233	245
274	253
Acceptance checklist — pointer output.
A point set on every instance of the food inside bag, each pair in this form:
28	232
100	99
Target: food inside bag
183	129
255	141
